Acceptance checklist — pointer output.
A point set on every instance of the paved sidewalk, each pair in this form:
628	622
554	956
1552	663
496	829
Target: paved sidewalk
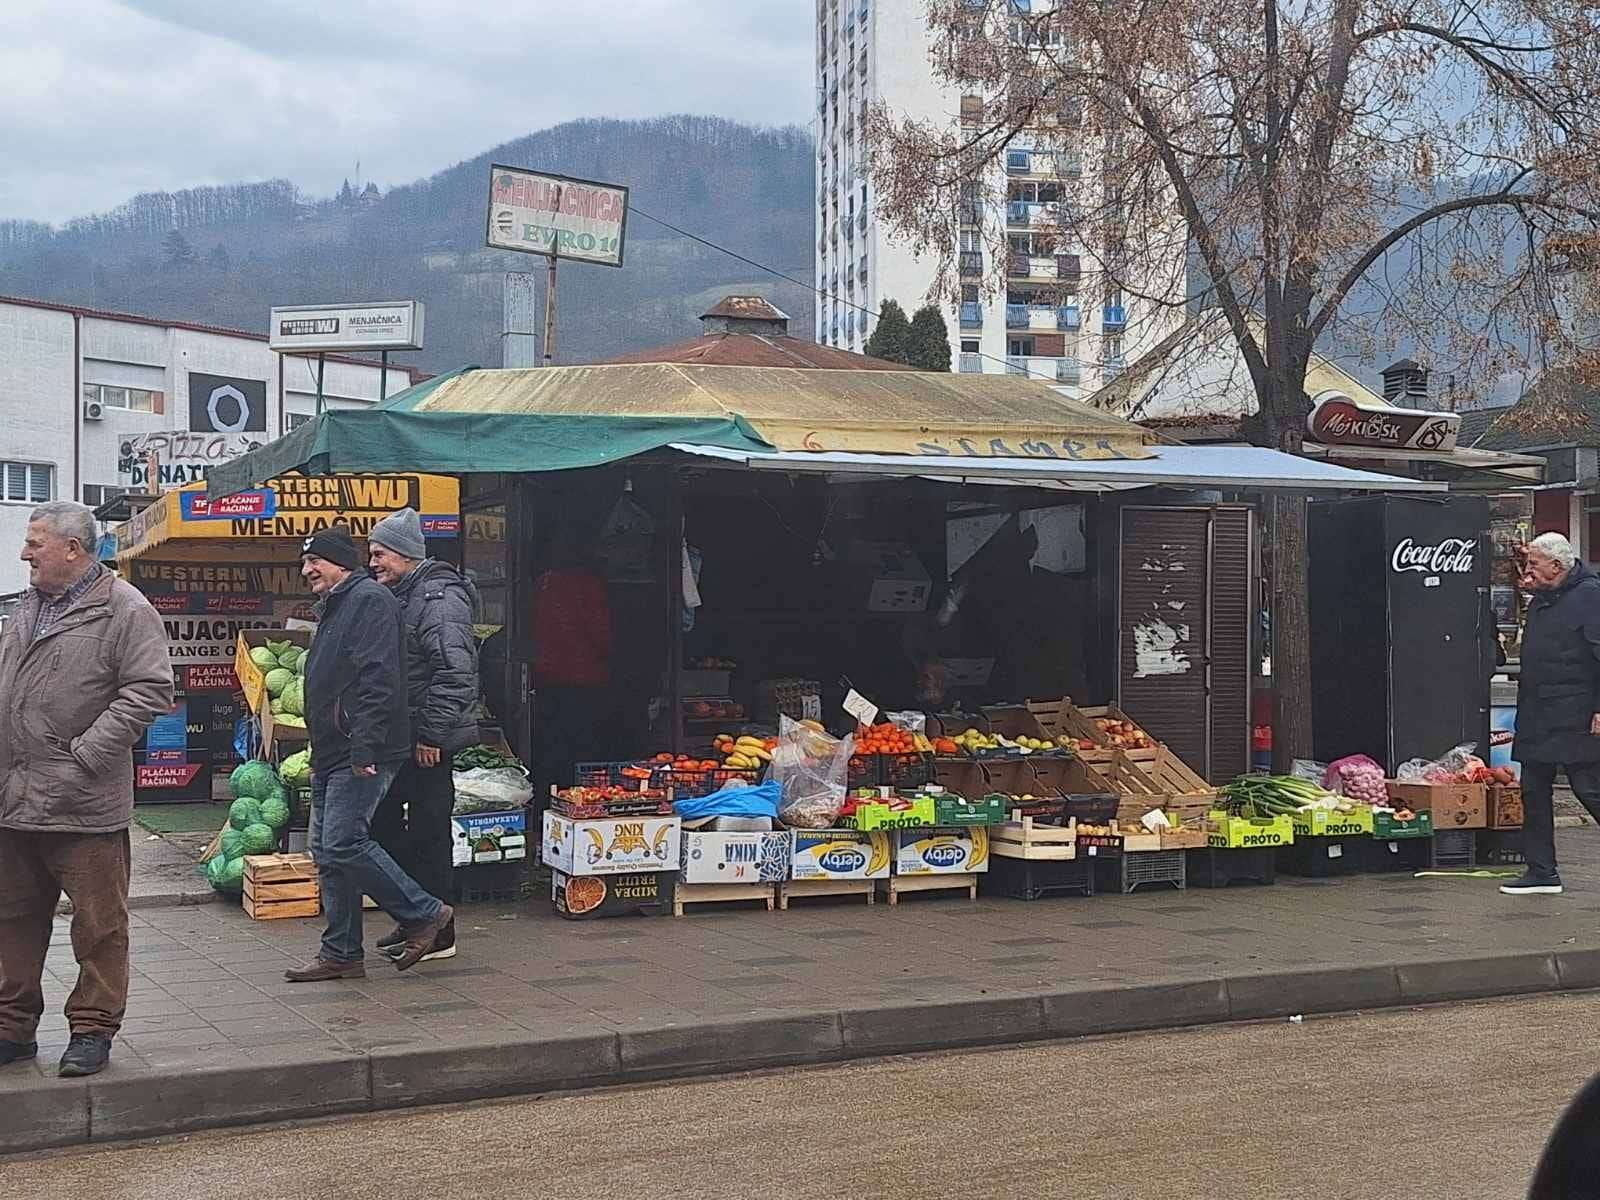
534	1003
163	874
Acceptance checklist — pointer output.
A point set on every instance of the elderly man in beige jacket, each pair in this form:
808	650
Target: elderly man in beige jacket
83	671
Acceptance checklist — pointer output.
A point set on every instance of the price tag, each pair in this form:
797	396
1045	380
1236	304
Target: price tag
859	707
1335	851
810	707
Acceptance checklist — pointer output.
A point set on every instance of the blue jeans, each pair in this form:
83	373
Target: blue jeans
350	863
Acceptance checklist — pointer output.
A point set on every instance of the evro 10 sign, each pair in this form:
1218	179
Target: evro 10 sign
556	216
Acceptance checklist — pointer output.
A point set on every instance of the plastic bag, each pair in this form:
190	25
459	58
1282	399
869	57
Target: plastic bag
1358	777
491	789
911	722
1305	768
1461	765
811	770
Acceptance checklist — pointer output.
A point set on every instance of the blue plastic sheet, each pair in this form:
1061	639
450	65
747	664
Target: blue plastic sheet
758	801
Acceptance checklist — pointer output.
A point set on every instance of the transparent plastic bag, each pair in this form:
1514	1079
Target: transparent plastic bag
812	770
1306	768
491	789
911	722
1460	765
1357	777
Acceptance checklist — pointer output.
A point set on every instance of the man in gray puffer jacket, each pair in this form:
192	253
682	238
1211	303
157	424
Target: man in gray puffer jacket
437	606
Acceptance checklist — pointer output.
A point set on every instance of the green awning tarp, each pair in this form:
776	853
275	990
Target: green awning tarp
364	441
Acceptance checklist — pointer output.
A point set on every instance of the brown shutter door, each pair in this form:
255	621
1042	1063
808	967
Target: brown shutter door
1232	616
1161	653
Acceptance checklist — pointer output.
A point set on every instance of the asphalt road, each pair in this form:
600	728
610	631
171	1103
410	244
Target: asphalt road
1451	1102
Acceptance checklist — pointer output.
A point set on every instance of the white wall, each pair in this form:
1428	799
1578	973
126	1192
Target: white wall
40	409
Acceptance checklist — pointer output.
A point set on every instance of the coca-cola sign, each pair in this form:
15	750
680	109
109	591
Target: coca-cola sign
1341	422
1450	556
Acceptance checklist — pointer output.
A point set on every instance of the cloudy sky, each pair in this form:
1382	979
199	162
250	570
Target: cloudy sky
107	98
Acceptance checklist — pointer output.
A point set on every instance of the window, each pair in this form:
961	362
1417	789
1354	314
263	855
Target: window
296	420
969	346
971	240
1033	191
130	399
1020	347
969	293
27	483
96	494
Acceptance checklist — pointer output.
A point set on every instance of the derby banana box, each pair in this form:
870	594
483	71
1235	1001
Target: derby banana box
611	846
840	854
1319	822
941	851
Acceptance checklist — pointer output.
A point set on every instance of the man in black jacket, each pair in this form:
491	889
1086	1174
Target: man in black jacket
1558	701
360	735
436	608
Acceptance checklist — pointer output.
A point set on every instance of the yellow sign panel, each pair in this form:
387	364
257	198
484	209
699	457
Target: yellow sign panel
294	506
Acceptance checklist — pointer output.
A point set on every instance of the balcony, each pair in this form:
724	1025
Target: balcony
971	262
1021	6
1017	266
861	13
863	220
1114	317
1016	212
1069	370
972	314
967	214
850	228
1069	166
1068	316
1019	162
1016	316
1030	266
863	268
1069	270
971	364
1016	366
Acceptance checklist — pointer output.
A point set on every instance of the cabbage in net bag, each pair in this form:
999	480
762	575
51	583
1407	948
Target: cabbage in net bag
812	770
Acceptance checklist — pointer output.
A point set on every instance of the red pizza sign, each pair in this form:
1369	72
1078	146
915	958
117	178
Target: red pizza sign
1341	422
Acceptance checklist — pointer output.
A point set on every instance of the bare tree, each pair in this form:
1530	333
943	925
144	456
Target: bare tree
1372	169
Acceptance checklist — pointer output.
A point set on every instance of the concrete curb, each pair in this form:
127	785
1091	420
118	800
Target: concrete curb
291	1083
154	900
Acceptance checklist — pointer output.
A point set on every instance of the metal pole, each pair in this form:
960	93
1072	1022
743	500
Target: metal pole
550	314
383	380
322	361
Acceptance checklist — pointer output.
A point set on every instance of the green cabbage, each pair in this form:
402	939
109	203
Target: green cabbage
244	812
294	696
232	844
263	657
277	679
254	779
233	874
275	811
296	769
259	838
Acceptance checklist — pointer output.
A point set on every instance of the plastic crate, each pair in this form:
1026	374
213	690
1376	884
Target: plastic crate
1382	855
1093	809
1033	878
1323	857
490	883
1216	868
1500	848
891	770
1126	872
604	774
690	784
1455	848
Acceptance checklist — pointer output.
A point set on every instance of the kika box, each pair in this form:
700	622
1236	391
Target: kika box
941	851
736	857
840	854
612	846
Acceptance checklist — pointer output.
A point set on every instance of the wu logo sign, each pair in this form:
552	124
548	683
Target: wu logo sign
221	404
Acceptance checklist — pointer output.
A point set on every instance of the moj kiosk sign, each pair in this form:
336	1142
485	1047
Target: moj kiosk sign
1339	421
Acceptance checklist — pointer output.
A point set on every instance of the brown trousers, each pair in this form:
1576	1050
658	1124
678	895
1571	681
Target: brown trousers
35	868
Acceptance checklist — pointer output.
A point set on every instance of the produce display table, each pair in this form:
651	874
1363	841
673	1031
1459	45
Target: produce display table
720	893
800	889
1035	878
898	885
1212	867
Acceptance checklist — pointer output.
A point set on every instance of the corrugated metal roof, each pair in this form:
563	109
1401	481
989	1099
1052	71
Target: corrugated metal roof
1562	408
746	308
896	412
757	350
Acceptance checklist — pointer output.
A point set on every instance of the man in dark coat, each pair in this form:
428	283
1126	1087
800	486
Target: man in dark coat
356	713
437	606
1558	701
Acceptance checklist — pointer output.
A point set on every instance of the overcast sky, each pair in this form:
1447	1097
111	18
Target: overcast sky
104	99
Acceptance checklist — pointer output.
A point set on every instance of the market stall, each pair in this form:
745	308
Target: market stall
222	571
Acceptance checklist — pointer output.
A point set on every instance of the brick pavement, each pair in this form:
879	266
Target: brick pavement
533	1001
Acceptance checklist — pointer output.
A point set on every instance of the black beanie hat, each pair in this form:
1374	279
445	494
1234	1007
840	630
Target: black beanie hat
334	544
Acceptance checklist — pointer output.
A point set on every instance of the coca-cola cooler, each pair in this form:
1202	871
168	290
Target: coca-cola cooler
1402	636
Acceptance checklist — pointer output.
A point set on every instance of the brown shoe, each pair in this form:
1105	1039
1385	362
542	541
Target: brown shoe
420	939
319	969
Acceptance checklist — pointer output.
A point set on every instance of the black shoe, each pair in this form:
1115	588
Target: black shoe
87	1054
421	940
444	946
393	941
1528	884
11	1052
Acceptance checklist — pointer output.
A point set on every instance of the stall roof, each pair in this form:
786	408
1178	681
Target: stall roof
1180	466
557	418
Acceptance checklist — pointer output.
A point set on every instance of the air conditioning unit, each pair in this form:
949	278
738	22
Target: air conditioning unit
93	410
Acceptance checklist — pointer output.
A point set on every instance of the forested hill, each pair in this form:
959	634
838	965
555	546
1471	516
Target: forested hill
225	255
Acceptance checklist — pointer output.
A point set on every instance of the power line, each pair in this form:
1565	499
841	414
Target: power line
812	288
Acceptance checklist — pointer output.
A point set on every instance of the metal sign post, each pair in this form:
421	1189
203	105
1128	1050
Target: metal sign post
550	313
322	363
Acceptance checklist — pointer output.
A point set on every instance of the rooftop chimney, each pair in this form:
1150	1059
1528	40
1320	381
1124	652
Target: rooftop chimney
1405	384
745	314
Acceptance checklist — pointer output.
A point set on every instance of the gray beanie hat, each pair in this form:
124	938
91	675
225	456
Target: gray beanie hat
402	533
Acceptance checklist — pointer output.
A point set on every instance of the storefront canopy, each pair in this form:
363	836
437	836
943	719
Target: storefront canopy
559	418
1174	466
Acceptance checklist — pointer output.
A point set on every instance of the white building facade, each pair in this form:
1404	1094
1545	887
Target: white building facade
86	397
1050	318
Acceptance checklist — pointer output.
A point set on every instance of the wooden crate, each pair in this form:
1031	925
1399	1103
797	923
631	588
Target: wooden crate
1026	839
799	889
717	893
277	886
1187	838
898	885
